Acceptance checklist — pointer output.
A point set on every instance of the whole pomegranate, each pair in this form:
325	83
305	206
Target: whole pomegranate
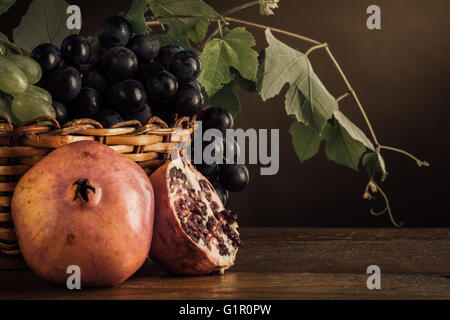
86	205
194	233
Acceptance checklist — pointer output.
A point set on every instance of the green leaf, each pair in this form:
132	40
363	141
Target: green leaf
305	140
5	5
45	21
341	147
374	164
194	28
136	16
307	98
8	44
353	130
219	55
227	98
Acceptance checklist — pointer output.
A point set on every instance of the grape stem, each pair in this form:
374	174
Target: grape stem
371	186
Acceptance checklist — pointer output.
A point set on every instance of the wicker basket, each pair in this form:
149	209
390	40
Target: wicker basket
24	145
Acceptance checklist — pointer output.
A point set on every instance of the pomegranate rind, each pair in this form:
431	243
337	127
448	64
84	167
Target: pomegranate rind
70	232
172	248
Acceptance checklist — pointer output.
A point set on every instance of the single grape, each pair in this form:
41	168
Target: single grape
224	194
208	170
166	54
115	32
5	110
231	150
193	84
40	93
94	78
142	115
162	87
145	70
29	66
185	65
27	107
187	101
48	56
144	46
129	96
12	79
108	118
75	49
87	104
64	84
62	113
234	177
119	63
214	117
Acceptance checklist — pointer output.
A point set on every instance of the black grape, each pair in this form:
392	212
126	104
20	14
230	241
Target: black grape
129	96
185	65
215	117
162	87
166	54
75	49
119	63
114	32
144	46
87	104
108	118
64	84
234	177
48	56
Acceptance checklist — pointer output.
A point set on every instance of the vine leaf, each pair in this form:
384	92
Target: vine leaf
5	41
5	5
227	98
374	164
45	21
353	130
136	16
341	147
194	28
234	50
305	140
307	98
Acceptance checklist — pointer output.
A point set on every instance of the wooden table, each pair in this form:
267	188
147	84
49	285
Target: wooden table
283	263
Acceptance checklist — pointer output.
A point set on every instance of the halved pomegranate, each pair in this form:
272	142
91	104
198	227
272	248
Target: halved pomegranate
193	232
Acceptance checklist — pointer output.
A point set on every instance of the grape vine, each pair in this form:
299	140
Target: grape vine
372	187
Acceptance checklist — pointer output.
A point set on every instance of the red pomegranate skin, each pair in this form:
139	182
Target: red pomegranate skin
108	237
168	235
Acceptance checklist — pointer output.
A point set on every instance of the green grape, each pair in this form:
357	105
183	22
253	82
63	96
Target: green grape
29	66
28	107
2	49
5	110
40	93
12	79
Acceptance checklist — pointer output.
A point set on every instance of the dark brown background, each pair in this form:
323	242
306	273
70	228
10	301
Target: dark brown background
401	74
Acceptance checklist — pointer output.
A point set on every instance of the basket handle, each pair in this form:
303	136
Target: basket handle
78	122
55	123
183	122
129	123
157	121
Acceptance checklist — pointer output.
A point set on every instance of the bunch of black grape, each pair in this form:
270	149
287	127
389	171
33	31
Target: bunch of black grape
224	177
132	78
129	78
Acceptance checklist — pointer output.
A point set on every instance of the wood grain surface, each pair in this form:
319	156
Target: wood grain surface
282	263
